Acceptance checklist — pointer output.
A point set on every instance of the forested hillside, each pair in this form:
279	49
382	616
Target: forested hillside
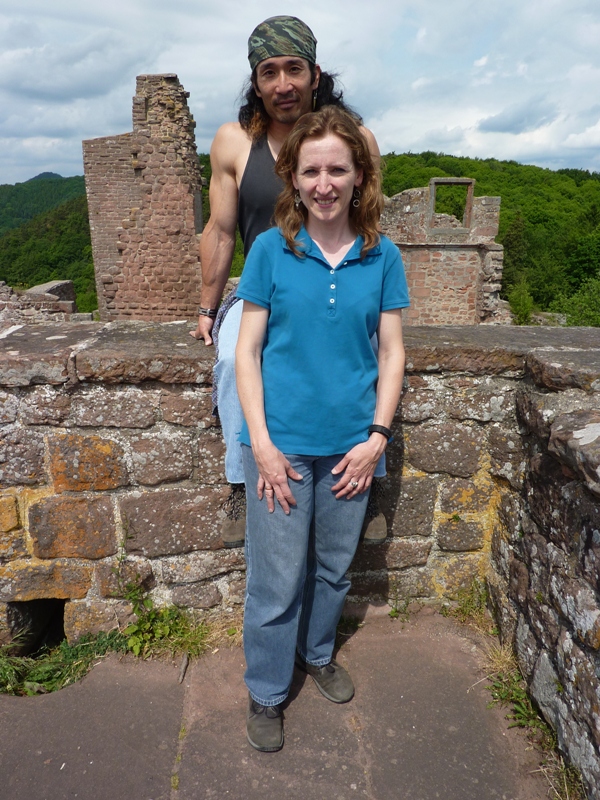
24	201
549	221
52	246
549	226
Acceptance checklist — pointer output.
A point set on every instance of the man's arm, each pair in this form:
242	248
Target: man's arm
218	238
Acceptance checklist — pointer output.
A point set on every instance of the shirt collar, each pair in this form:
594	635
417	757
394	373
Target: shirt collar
311	249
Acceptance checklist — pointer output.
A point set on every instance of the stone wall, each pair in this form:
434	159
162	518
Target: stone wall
546	554
453	267
53	301
144	199
111	467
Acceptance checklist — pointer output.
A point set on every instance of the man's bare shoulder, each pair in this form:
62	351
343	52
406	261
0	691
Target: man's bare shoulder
230	148
371	141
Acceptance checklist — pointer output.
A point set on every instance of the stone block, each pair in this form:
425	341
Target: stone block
6	633
383	585
116	408
161	457
95	616
526	647
73	527
544	688
397	554
45	405
113	576
408	505
211	454
189	408
460	534
579	680
236	592
9	406
198	566
575	440
452	574
21	458
458	495
9	513
86	463
482	404
35	580
418	405
172	521
577	603
12	545
508	459
197	595
454	449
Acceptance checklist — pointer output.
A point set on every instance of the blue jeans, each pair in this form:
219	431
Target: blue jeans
230	410
296	574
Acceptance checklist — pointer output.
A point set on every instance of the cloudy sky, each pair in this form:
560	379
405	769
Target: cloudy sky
513	79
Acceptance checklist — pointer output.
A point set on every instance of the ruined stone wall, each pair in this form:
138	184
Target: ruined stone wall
144	198
110	465
47	302
546	554
453	267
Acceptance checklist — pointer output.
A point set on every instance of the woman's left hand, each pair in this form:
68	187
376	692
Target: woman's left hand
357	467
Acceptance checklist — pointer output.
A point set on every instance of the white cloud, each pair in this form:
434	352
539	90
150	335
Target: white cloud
510	80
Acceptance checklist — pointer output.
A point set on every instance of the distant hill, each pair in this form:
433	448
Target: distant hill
54	245
44	176
23	201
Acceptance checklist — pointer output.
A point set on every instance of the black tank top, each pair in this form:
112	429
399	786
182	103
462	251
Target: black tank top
259	189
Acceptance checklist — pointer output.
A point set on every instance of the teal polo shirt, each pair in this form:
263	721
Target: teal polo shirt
318	367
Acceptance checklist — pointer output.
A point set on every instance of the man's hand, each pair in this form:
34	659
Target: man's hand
204	330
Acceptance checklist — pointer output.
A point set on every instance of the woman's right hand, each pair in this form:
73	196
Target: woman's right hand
274	470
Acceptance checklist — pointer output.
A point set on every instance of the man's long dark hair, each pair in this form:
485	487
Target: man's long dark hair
254	119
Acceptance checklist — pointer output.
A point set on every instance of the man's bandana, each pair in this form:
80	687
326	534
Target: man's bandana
281	36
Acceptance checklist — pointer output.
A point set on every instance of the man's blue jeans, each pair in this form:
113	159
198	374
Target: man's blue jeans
230	411
296	573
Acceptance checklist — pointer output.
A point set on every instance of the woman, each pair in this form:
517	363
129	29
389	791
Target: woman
317	404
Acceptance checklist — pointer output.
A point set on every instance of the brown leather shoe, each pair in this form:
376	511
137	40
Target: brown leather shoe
233	529
332	680
264	727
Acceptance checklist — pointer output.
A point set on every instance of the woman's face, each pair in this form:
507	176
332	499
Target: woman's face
326	178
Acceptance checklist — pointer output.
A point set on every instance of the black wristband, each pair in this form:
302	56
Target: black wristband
380	429
208	312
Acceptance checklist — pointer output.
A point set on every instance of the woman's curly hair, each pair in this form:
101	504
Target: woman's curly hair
364	218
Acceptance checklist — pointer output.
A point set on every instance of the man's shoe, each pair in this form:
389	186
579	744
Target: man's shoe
264	727
233	529
332	680
374	530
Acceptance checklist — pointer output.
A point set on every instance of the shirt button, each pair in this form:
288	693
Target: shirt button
332	286
332	271
332	300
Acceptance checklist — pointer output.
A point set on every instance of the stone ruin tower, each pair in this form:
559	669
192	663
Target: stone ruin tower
453	267
144	198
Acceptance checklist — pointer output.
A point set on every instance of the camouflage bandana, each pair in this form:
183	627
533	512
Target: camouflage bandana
281	36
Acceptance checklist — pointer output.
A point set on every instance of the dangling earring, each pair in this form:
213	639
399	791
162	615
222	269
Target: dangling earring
314	103
356	195
297	200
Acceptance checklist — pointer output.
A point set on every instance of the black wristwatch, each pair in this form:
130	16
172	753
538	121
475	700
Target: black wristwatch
381	429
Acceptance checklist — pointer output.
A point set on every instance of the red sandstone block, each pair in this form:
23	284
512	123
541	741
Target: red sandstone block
86	463
27	579
73	527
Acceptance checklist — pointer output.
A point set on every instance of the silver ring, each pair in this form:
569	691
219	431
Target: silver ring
354	484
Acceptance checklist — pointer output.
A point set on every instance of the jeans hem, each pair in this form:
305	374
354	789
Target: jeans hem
268	703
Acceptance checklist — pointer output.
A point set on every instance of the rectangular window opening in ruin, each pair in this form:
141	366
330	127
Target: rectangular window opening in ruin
452	197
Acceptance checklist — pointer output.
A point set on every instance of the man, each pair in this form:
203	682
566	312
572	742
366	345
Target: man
286	82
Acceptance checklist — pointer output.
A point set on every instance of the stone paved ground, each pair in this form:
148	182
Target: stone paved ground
417	729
